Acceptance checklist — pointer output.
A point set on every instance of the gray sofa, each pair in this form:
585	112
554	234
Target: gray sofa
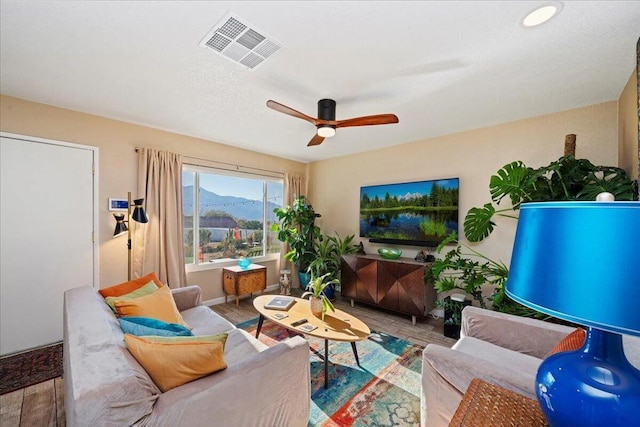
105	385
498	348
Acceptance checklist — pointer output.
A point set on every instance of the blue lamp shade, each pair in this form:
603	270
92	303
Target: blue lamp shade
579	261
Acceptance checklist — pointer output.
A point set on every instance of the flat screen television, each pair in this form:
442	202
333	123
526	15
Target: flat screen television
420	213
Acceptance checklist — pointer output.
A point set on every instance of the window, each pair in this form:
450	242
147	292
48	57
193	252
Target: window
229	216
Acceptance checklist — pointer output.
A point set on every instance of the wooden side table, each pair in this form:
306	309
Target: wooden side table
486	404
237	282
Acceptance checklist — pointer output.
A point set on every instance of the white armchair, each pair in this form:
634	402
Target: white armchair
498	348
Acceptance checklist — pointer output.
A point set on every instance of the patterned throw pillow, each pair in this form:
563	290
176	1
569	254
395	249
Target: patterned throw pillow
173	361
571	342
140	326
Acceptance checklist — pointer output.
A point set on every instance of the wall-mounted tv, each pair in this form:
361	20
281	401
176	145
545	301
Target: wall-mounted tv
420	213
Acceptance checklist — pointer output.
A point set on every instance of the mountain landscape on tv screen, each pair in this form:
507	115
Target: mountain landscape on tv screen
415	212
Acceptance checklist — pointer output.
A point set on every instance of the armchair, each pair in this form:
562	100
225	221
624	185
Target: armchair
499	348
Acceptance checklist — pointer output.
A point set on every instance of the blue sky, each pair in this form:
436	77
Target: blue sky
422	187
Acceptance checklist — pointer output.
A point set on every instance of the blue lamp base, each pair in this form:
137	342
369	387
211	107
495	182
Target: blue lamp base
593	386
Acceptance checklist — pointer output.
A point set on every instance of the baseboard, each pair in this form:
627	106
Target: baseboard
220	300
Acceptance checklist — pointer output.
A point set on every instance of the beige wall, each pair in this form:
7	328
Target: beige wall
118	170
472	156
334	184
628	127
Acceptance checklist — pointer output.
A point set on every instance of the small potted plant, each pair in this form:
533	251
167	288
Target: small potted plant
318	301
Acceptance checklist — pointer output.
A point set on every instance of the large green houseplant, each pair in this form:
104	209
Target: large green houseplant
567	178
298	230
329	252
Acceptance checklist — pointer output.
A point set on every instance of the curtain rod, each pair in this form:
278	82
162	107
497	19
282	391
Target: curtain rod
237	167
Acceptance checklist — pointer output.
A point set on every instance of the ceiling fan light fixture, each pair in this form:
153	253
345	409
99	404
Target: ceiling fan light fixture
326	131
326	122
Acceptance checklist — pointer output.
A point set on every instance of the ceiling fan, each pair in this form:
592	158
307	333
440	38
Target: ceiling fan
326	121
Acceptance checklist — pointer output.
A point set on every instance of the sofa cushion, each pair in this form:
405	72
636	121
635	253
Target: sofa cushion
177	361
572	341
147	289
140	326
240	344
158	305
205	321
129	286
506	358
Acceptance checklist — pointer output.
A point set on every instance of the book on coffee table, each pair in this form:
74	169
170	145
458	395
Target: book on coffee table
280	303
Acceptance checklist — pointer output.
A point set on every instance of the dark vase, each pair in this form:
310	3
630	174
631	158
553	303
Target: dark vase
452	311
329	292
304	279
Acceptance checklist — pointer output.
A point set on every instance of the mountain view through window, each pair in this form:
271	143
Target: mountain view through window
230	215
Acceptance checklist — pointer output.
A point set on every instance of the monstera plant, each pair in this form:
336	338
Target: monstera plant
567	178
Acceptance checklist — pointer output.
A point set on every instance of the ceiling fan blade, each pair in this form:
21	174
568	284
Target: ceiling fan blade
290	111
316	140
378	119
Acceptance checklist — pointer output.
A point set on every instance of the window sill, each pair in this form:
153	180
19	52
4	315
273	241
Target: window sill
221	264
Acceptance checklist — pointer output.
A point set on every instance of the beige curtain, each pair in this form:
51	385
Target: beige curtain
294	187
159	243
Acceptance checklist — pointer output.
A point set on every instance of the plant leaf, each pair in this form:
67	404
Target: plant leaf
508	182
451	238
478	224
610	179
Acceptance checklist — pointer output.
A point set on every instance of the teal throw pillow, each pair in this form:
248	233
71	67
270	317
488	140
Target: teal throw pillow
141	326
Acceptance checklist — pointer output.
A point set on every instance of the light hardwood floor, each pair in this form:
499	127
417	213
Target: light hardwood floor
43	404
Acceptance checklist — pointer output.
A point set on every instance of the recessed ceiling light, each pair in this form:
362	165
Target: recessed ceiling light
541	15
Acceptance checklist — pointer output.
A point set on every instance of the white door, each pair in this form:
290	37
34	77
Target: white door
47	220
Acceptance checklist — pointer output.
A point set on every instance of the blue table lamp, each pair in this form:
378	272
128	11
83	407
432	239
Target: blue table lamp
580	261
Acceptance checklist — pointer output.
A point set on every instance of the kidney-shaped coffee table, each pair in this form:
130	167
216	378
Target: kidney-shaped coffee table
336	326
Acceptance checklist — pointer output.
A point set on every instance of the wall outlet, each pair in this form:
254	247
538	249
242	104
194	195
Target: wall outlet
437	313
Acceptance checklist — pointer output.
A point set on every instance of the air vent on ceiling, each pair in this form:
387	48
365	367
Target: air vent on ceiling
240	42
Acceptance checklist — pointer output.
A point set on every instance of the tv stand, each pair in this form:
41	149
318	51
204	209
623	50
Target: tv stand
396	285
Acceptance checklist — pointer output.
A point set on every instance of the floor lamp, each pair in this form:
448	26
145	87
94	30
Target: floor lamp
578	261
135	212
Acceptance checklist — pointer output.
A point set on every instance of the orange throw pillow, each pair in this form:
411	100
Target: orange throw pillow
130	286
171	364
571	342
158	305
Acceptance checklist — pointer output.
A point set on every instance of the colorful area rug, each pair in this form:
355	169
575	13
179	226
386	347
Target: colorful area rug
31	367
383	391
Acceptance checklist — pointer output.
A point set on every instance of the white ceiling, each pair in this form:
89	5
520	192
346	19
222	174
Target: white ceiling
441	67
